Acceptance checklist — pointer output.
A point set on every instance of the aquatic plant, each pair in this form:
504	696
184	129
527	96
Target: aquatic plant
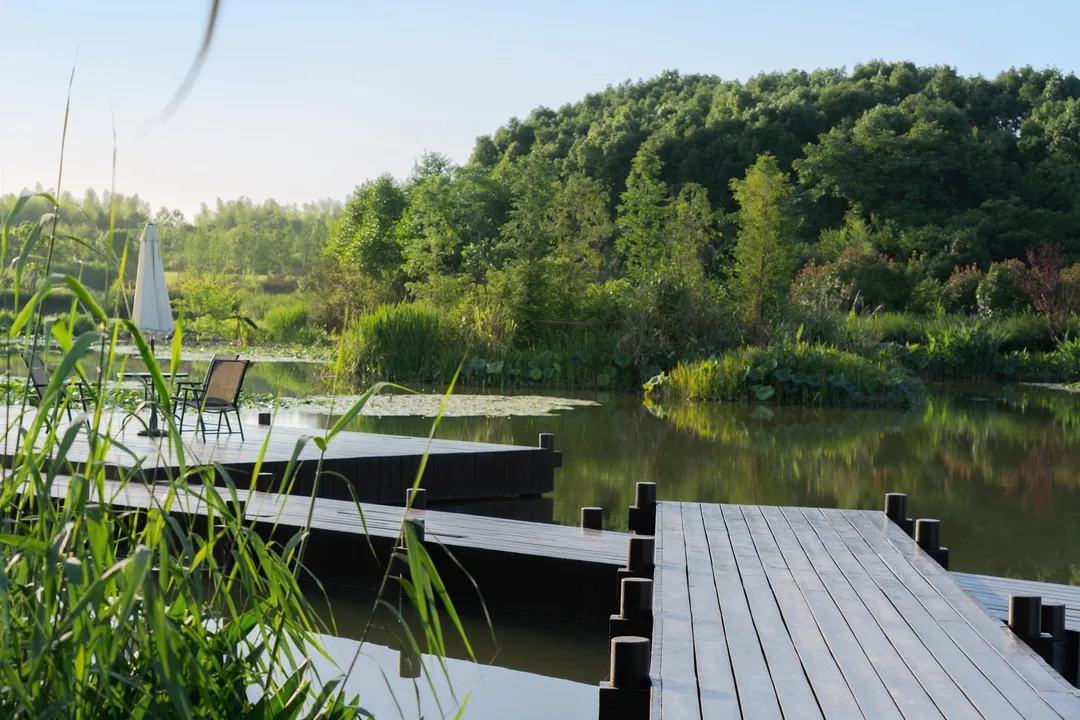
177	610
794	373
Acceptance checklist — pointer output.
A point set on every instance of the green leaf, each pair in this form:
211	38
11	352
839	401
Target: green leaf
603	379
536	373
622	359
763	392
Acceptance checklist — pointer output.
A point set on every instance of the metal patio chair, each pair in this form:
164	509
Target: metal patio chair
219	393
77	393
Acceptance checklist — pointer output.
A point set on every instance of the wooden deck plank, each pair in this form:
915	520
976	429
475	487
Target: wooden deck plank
830	688
1015	670
905	689
757	695
935	679
789	682
865	683
717	691
678	678
982	693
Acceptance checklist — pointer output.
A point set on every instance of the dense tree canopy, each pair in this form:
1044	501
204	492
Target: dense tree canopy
634	185
237	237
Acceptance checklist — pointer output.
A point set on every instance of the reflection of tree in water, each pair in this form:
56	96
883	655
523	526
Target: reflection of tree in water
1000	475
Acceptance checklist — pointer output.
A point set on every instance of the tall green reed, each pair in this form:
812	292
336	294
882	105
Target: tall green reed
181	608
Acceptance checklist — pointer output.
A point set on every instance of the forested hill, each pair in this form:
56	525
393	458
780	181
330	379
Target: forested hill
972	168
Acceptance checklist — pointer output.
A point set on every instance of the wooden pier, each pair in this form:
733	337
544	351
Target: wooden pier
994	593
378	468
766	612
552	570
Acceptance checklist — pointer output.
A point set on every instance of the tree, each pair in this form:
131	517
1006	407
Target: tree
764	250
643	215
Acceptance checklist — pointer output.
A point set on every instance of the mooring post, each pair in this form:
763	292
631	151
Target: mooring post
547	442
635	615
416	499
264	418
1025	620
626	695
896	510
592	518
1053	624
642	516
639	558
928	537
1071	663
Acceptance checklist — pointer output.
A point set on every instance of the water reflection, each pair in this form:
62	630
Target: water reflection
493	693
527	667
998	465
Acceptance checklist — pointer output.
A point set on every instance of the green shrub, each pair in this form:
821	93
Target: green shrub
956	350
801	373
959	295
901	328
290	324
927	297
397	343
856	278
999	293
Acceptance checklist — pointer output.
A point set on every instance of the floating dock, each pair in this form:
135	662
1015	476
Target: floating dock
538	568
367	467
768	612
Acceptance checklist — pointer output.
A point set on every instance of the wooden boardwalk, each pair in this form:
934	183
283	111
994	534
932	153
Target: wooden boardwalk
379	468
522	566
766	612
994	592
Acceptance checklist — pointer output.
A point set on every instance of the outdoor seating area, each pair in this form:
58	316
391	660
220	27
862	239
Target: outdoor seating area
218	394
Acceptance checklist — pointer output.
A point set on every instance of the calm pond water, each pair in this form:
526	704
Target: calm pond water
999	465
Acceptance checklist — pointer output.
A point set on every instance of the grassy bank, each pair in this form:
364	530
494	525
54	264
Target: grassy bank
797	373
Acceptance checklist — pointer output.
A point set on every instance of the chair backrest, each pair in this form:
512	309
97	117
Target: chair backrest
223	382
214	361
39	376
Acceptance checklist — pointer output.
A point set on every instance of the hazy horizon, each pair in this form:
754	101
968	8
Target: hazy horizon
301	107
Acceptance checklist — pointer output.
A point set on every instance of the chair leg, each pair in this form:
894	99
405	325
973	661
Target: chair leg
239	424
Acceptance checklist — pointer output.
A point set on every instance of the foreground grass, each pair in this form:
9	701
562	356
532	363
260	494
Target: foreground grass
179	610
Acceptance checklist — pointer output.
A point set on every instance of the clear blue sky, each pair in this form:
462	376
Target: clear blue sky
304	99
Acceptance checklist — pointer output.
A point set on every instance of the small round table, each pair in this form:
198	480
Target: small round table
150	393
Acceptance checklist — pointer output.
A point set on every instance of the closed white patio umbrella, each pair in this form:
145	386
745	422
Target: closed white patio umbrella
152	314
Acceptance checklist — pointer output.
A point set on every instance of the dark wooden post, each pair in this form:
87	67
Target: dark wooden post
896	510
639	558
635	609
416	499
1025	620
642	515
928	537
264	418
1071	663
547	442
626	695
1053	624
592	518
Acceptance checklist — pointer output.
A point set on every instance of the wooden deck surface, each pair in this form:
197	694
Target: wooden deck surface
994	592
378	467
454	530
540	568
766	612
